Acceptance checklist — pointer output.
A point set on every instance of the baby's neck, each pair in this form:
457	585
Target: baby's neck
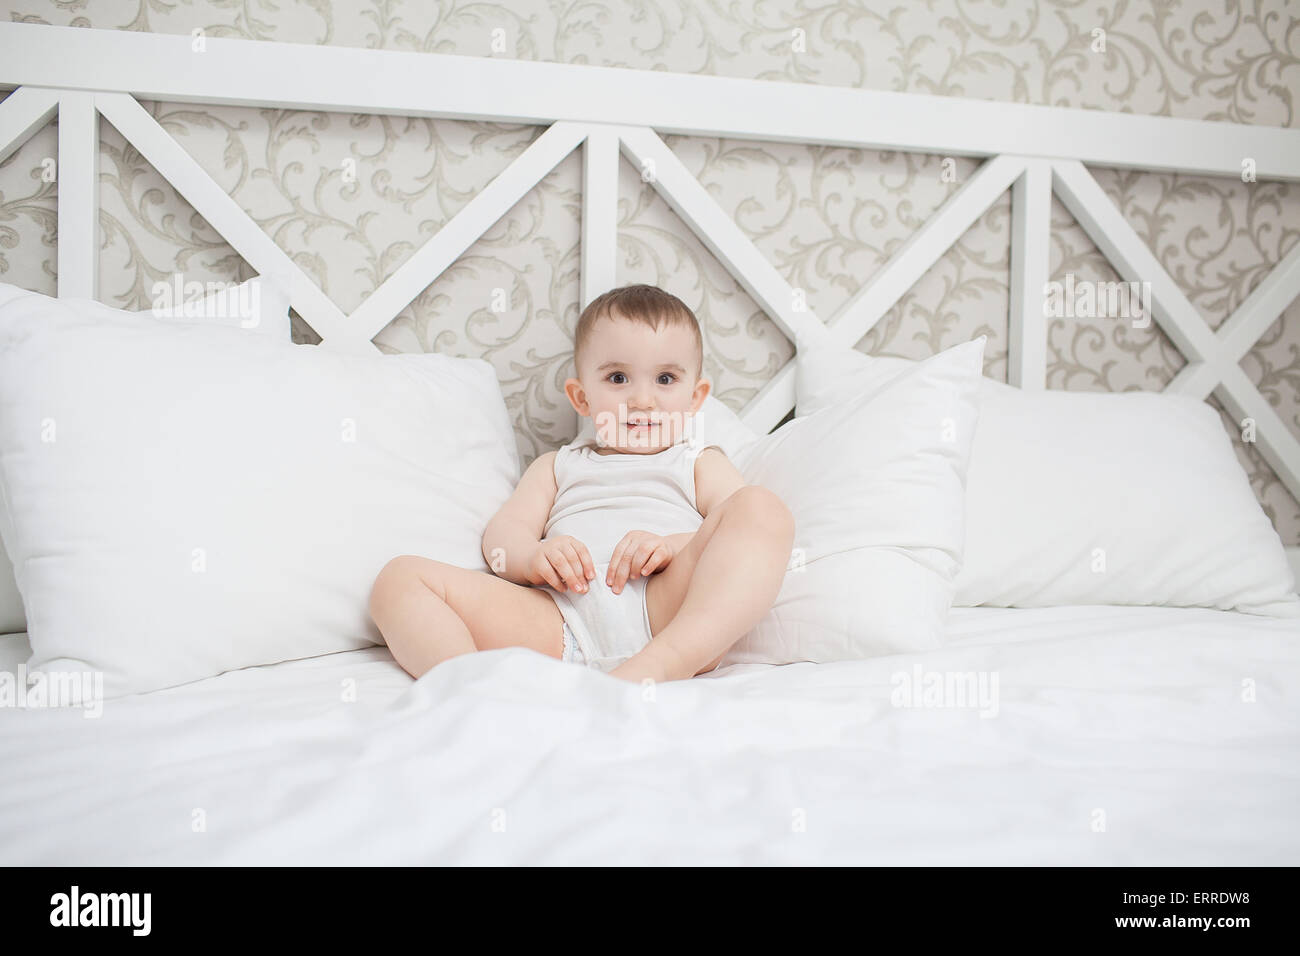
603	452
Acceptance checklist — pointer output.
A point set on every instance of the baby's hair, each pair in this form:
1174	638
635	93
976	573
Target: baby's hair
640	303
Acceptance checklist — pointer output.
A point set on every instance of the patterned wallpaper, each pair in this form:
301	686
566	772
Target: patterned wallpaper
351	197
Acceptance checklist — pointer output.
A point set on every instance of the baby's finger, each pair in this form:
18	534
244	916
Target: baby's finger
621	570
561	565
641	556
575	577
613	562
587	565
656	560
547	573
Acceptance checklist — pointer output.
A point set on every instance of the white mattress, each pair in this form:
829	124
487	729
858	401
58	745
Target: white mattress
1128	717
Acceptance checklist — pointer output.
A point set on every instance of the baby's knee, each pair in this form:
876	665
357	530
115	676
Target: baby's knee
395	578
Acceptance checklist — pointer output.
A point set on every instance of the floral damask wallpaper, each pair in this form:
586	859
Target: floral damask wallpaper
351	197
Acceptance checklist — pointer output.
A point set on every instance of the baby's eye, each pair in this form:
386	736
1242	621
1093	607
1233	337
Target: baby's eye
668	375
611	375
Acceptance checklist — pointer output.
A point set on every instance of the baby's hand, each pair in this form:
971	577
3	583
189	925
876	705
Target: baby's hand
561	562
640	552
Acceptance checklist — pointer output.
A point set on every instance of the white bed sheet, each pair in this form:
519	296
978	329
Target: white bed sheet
512	757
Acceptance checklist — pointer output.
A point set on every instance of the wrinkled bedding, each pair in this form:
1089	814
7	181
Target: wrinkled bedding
1104	735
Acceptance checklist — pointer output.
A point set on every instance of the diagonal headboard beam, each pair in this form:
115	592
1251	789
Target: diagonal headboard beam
21	114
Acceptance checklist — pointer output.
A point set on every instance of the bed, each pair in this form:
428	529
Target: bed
1122	738
1090	734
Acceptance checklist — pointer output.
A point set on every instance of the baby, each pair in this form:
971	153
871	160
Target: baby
639	552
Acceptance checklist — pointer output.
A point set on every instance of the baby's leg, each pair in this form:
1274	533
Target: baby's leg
725	579
429	611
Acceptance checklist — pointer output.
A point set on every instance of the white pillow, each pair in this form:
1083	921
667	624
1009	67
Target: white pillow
12	618
261	305
213	500
1099	498
714	424
875	485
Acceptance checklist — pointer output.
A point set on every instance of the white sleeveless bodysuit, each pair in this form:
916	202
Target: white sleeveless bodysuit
598	500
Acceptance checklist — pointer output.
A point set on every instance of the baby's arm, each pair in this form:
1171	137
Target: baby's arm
512	544
514	533
716	478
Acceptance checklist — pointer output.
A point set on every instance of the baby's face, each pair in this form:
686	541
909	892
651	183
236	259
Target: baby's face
637	385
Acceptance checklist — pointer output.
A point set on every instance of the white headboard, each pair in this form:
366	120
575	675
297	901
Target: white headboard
1034	150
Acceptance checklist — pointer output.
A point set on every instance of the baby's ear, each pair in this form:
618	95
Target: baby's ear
702	389
577	396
